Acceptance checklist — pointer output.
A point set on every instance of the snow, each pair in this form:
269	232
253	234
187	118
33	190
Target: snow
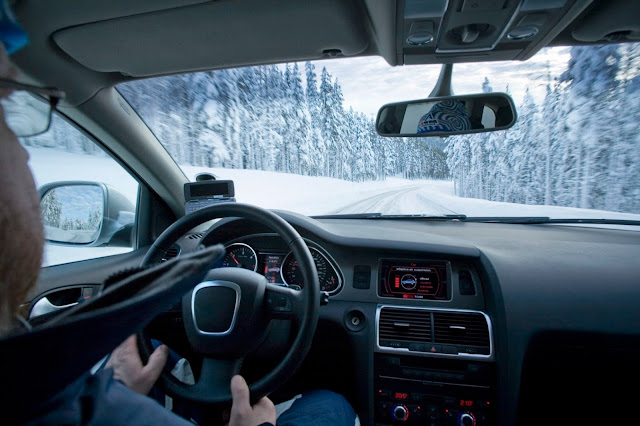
303	194
58	254
319	195
307	195
76	236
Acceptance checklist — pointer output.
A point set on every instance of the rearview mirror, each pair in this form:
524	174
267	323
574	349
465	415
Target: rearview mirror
446	116
86	214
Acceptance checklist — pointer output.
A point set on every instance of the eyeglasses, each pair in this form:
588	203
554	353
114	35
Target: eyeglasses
27	111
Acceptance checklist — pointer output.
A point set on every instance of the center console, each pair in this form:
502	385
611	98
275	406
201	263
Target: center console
413	391
433	366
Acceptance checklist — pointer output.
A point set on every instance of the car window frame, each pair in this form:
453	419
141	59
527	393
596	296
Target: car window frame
112	155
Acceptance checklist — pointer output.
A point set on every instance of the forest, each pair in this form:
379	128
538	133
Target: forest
579	146
274	118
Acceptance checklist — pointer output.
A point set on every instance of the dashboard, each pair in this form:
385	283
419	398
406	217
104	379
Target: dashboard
459	323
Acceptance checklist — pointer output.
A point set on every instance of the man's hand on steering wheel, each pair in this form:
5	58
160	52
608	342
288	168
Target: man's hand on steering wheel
242	413
127	365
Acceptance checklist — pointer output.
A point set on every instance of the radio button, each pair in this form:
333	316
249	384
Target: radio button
384	393
448	349
383	408
469	350
466	419
392	361
400	413
415	409
393	344
434	349
433	409
418	347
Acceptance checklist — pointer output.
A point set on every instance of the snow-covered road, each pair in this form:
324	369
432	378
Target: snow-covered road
414	198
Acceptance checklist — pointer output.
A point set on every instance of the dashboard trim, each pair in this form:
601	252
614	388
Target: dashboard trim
385	349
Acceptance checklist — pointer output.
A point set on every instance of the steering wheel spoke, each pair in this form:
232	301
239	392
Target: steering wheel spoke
284	302
215	377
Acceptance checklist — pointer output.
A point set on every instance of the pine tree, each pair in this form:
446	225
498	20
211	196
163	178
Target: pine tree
591	75
51	209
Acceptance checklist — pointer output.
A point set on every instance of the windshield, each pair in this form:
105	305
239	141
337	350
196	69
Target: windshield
301	136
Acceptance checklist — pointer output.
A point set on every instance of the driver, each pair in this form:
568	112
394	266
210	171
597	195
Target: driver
116	394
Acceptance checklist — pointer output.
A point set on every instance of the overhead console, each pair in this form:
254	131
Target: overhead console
479	30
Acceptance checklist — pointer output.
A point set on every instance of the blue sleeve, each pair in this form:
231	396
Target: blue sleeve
100	400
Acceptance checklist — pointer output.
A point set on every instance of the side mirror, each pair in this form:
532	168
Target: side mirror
86	214
447	116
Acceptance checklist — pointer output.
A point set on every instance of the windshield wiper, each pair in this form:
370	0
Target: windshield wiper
526	220
509	219
544	220
392	216
349	216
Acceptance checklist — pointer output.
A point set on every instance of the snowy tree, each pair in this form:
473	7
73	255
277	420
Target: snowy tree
486	86
591	75
51	209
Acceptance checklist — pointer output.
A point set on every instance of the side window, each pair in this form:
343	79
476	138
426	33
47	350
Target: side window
88	200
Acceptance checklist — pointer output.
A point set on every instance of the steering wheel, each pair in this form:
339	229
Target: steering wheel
227	315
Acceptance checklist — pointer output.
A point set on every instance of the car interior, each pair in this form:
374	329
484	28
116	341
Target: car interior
413	321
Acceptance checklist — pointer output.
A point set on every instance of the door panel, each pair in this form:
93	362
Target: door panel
61	282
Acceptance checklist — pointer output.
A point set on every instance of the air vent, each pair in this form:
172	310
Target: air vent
171	253
196	236
434	332
404	325
462	329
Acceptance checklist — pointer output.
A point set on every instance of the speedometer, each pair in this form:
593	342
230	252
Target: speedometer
240	255
327	275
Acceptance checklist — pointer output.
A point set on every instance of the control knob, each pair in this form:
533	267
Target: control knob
466	419
400	413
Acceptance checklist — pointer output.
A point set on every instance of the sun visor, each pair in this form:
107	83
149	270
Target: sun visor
218	35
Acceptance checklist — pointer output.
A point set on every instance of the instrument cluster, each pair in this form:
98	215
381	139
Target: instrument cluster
283	268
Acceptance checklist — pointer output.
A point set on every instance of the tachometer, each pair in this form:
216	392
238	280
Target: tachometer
329	279
240	255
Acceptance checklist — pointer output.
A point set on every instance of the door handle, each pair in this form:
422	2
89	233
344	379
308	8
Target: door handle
44	306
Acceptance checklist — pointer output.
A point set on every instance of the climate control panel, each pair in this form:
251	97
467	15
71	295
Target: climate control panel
444	393
430	409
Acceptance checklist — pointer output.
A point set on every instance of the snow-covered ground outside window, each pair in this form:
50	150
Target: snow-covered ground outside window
302	194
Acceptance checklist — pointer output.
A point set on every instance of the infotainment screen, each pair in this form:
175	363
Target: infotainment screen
413	279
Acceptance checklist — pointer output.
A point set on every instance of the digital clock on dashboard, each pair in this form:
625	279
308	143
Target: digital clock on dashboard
413	279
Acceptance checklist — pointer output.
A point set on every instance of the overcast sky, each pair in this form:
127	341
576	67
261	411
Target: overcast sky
368	83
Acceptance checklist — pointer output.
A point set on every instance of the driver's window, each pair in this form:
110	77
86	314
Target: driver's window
73	215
